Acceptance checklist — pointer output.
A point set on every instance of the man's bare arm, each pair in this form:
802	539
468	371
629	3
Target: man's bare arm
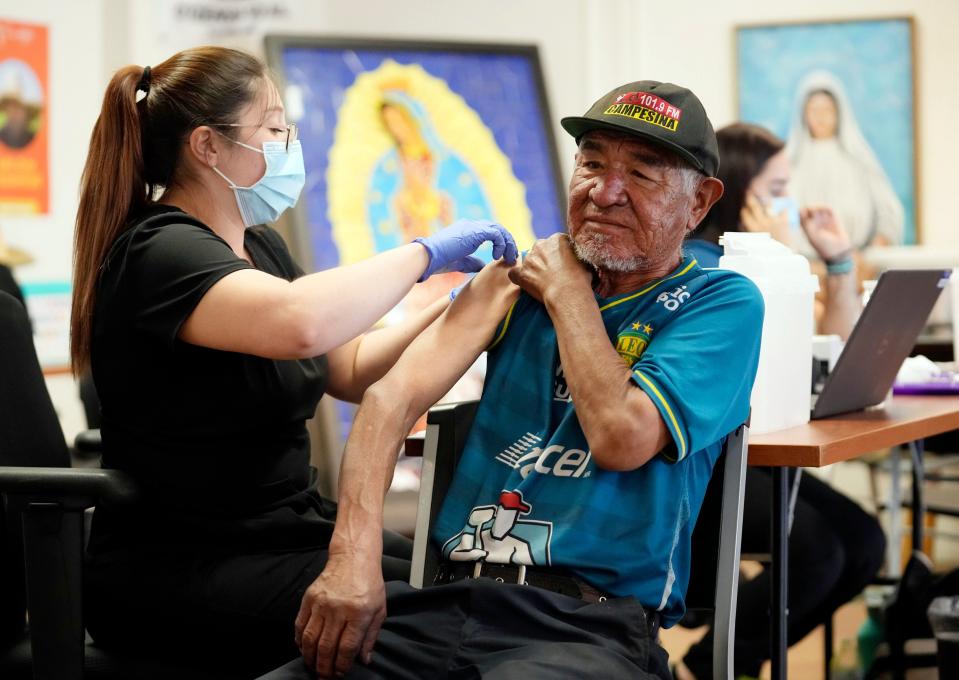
426	371
622	425
343	609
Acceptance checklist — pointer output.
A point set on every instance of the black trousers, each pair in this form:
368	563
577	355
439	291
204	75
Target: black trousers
231	613
479	628
835	549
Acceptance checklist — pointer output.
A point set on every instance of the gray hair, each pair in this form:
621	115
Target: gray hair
690	178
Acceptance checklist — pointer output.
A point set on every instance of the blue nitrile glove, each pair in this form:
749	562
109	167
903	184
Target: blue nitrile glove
451	248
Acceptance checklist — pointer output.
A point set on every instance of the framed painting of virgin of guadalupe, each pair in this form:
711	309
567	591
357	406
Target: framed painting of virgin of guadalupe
842	95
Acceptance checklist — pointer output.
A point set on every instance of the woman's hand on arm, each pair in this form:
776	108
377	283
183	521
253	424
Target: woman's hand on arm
451	248
423	374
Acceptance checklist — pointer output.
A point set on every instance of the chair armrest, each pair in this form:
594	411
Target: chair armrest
413	448
88	442
76	488
447	426
51	503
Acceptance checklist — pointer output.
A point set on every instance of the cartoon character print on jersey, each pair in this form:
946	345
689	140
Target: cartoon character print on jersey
495	533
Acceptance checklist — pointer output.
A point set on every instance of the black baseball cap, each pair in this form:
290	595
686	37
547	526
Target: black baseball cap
663	113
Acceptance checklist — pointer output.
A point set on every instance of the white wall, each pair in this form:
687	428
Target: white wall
692	43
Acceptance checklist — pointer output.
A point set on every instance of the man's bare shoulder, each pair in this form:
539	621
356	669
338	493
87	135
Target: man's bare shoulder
490	287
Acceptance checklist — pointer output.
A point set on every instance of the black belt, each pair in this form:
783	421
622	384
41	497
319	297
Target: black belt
548	579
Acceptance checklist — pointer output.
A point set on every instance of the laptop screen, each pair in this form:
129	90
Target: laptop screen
881	340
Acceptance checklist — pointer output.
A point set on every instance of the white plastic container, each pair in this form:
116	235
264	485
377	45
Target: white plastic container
780	397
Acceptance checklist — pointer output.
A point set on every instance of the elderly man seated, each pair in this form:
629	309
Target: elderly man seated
616	366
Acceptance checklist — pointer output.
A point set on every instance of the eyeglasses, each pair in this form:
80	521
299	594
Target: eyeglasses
291	130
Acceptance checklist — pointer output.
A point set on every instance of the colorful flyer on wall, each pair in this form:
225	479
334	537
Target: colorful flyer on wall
24	119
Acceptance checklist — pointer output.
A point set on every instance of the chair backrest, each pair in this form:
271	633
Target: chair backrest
30	435
733	478
446	431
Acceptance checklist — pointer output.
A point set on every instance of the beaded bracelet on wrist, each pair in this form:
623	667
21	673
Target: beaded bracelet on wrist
843	266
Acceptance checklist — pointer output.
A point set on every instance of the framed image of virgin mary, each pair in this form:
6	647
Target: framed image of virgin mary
842	94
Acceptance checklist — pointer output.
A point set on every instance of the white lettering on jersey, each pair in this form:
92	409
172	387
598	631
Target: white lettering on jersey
554	460
515	451
672	301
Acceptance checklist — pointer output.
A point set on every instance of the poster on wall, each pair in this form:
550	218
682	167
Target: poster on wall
842	94
24	119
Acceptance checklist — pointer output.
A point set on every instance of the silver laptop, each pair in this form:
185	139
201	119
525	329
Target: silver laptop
881	340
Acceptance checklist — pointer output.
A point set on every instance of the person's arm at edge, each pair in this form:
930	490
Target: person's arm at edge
343	609
831	242
842	304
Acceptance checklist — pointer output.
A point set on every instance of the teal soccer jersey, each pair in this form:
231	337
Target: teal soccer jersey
527	490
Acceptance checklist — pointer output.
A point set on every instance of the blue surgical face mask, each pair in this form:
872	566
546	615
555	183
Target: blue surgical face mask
277	190
787	204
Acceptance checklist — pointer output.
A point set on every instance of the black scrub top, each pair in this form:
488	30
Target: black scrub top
216	440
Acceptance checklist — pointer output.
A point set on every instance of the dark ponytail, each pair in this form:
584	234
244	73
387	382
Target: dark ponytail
135	152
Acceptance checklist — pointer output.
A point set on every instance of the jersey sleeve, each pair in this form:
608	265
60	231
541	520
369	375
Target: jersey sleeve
503	326
166	270
699	369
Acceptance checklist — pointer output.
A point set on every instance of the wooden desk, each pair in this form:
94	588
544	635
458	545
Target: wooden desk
831	440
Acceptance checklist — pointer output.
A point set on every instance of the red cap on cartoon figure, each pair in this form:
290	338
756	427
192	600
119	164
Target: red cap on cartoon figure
513	500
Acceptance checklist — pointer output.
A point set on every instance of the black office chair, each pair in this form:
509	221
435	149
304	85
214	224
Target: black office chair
42	534
447	428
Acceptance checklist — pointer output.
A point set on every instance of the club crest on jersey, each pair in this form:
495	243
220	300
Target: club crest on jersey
632	342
